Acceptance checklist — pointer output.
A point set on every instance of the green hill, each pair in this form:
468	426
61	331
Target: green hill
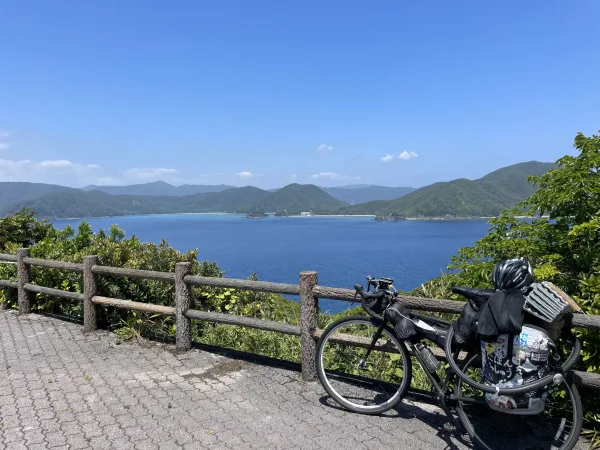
484	197
78	203
230	200
18	192
296	198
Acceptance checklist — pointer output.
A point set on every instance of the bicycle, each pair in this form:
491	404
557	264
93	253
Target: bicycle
353	351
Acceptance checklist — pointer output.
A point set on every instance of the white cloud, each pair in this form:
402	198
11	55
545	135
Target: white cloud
4	145
57	163
69	173
407	155
293	178
324	149
4	133
245	174
333	176
387	158
218	174
49	171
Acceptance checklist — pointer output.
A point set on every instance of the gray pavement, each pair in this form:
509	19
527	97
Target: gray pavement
62	389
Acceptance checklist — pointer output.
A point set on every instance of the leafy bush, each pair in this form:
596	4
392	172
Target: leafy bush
22	229
113	249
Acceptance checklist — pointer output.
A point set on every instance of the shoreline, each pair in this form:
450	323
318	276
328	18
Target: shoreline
152	214
423	219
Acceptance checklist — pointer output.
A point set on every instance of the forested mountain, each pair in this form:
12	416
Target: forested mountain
18	192
296	198
78	203
484	197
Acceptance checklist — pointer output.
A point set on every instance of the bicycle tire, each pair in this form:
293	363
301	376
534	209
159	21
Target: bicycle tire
478	440
322	373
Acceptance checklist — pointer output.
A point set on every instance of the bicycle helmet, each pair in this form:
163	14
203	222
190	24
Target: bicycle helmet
512	274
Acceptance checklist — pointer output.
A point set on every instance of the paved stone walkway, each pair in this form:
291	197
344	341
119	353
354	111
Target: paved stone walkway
62	389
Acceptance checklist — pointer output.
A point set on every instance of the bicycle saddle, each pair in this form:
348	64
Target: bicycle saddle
475	294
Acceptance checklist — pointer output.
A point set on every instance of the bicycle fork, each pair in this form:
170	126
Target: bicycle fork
362	364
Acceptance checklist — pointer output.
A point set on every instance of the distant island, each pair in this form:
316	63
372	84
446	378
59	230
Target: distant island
256	215
457	199
394	217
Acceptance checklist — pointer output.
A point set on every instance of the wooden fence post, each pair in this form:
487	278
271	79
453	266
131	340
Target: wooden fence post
308	324
90	289
23	278
183	299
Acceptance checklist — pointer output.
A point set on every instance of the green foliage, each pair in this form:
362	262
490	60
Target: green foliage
485	197
22	229
563	247
114	249
258	305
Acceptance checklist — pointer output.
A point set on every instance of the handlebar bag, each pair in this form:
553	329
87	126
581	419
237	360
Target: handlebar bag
377	305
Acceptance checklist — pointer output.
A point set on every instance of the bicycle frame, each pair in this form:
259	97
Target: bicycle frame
441	387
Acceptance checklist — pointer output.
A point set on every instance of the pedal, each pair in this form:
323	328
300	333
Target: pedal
449	427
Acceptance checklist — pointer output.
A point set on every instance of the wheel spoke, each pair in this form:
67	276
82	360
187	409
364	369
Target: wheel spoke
363	384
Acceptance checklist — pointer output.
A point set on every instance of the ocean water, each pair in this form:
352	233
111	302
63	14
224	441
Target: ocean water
343	250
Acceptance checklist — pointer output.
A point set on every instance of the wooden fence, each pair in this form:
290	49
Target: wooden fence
307	288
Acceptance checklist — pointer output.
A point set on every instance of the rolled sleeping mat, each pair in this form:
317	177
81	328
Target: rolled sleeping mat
544	302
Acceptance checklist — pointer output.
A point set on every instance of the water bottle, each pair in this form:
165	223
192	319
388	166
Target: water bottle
431	361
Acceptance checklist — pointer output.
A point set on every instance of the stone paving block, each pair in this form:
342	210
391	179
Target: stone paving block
61	389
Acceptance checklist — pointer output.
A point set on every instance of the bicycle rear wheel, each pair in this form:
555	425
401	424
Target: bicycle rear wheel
368	386
556	428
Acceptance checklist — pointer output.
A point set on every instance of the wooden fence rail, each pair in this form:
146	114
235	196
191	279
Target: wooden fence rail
307	288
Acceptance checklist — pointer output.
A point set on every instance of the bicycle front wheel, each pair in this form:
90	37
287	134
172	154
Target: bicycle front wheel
556	428
367	384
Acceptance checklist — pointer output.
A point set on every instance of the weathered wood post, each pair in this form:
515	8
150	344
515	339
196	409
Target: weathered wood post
183	299
23	278
308	324
90	289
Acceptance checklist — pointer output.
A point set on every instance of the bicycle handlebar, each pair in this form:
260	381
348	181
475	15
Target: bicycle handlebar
364	296
542	382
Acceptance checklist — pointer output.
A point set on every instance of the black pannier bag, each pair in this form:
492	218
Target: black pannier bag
465	331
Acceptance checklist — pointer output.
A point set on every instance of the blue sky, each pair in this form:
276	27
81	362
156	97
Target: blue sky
267	92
